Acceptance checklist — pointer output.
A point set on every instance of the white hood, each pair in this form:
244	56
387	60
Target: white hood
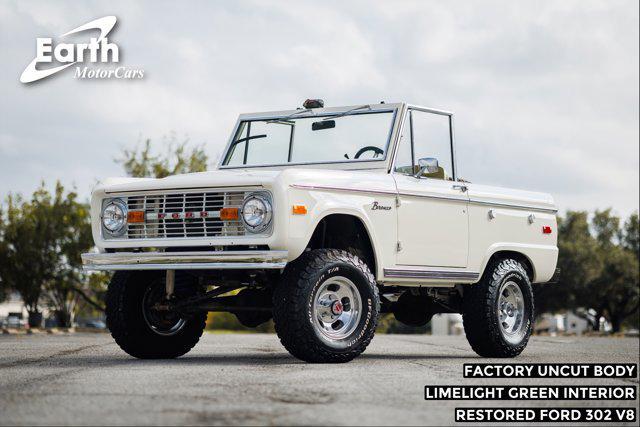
210	179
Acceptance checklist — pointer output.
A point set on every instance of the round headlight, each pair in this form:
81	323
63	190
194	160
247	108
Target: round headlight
114	217
256	213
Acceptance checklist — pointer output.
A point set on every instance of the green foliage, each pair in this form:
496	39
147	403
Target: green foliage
606	228
42	240
578	259
599	262
631	235
4	286
26	261
178	159
223	321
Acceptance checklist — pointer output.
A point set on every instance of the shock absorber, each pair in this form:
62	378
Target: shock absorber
170	283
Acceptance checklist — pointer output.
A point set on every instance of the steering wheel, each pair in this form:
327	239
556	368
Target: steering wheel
376	151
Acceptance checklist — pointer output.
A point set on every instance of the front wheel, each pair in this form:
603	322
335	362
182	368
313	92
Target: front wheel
498	310
326	306
140	324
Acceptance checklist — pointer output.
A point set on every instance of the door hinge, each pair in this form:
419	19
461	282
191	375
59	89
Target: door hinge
397	201
398	246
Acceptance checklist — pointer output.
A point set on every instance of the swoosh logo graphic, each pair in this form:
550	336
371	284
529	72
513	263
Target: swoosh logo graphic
32	74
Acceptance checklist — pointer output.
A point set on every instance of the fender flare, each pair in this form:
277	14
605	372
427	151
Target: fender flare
520	249
365	222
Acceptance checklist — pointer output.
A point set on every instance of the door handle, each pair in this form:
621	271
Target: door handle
460	187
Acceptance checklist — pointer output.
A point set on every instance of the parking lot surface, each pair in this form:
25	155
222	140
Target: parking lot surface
251	379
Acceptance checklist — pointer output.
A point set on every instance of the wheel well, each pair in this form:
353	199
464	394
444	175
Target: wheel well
522	258
347	232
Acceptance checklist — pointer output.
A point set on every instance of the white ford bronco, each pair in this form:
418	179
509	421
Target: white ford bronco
322	219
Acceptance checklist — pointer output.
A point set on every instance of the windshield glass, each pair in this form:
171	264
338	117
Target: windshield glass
339	137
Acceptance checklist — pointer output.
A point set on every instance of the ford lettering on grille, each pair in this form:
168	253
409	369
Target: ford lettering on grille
185	215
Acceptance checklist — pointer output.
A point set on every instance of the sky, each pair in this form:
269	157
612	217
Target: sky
545	94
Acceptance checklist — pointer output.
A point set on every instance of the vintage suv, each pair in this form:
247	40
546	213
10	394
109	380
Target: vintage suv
323	218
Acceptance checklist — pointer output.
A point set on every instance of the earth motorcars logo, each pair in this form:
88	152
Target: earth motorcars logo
97	51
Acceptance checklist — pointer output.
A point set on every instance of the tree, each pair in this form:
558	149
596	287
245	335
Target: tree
69	285
579	263
606	228
630	241
73	237
40	250
630	237
615	291
599	263
24	265
619	286
4	287
73	286
178	158
21	266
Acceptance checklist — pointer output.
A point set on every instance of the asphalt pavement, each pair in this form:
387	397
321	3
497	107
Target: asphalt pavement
250	379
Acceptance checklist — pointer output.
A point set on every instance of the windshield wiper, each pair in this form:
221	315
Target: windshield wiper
344	113
284	119
281	122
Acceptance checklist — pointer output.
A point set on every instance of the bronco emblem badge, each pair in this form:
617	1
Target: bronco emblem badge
378	207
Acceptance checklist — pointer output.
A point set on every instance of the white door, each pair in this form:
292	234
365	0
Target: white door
433	226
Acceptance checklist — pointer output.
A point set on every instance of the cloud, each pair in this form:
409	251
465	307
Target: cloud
545	93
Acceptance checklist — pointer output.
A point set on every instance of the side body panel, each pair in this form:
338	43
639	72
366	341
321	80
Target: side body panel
325	193
433	226
498	220
511	220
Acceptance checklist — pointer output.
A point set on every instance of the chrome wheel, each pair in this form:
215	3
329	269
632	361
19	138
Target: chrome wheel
512	314
156	315
337	308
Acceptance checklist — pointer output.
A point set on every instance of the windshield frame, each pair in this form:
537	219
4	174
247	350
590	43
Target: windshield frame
320	113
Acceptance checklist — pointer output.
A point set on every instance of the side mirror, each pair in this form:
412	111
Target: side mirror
428	165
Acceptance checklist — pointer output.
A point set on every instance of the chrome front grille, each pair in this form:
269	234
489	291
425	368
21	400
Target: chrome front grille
185	215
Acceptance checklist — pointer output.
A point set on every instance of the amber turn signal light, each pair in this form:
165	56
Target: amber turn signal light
135	217
229	214
299	210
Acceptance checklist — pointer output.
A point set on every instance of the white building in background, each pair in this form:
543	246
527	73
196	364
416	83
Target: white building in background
13	304
447	324
551	323
566	323
575	324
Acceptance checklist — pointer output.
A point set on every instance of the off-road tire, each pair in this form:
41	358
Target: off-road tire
128	327
480	317
294	297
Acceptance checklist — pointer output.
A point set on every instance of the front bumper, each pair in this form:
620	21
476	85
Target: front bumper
218	260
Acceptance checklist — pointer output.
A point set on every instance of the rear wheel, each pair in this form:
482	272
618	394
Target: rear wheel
498	310
326	306
141	324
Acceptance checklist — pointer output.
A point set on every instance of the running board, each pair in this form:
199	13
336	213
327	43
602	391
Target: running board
431	274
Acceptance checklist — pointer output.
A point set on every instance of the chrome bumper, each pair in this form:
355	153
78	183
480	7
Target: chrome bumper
185	260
